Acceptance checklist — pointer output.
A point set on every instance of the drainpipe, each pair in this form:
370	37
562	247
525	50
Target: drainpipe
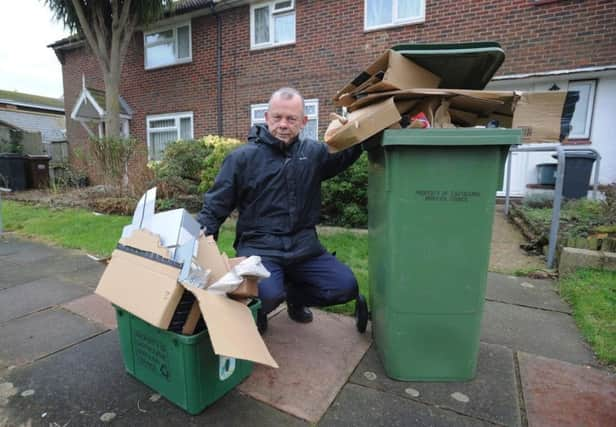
219	112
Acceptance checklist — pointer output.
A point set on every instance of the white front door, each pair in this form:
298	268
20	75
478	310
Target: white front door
517	184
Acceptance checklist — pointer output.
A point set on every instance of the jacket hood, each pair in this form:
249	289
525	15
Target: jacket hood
260	134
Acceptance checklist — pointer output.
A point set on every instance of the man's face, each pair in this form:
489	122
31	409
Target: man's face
285	118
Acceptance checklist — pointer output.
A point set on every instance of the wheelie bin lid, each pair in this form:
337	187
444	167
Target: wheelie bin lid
460	65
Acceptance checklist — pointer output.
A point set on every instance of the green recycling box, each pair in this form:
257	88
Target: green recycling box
183	369
431	197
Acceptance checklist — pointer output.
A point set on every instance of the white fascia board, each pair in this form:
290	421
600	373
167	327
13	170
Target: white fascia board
598	69
86	95
127	108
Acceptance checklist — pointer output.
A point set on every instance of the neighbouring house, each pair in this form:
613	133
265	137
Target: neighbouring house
211	66
37	123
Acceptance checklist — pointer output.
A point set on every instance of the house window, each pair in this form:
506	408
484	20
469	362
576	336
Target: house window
389	13
272	24
168	46
582	117
165	128
311	110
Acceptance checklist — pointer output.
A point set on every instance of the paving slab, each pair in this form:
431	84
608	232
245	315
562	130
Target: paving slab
42	333
94	307
541	332
233	409
87	277
492	396
81	384
12	274
362	406
22	251
562	394
29	297
315	359
526	292
62	262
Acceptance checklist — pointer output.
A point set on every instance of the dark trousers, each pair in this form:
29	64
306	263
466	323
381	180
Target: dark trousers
315	282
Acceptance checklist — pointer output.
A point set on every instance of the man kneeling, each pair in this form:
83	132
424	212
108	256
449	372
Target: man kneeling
274	181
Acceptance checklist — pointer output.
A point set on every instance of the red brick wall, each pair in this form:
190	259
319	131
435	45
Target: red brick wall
331	48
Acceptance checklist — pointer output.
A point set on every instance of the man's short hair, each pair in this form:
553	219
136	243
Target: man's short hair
286	93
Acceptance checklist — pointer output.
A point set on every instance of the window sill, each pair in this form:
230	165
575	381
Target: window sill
396	25
271	46
158	67
577	141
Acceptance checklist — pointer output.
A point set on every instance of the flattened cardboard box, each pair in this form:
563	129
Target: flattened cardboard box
364	123
149	289
391	71
537	113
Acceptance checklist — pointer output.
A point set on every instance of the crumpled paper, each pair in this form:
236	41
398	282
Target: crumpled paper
250	267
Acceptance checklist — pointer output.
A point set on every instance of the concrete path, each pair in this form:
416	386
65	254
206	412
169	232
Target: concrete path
506	256
61	363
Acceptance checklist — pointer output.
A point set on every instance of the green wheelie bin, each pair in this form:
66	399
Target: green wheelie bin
431	198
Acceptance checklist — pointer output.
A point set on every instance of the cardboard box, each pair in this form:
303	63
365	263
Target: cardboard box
537	113
142	281
210	258
391	71
364	123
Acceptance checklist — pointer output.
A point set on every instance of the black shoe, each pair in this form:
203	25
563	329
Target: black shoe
299	313
261	322
361	313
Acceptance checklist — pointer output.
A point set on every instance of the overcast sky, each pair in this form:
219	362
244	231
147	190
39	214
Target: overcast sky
26	63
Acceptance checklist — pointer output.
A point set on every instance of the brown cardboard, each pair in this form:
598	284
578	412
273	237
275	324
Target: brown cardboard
146	288
149	289
538	114
146	241
397	72
210	258
363	123
232	329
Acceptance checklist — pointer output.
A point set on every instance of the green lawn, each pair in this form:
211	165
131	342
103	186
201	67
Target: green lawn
99	234
69	228
592	295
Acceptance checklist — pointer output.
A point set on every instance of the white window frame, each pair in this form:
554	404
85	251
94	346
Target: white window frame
173	27
176	117
314	116
591	104
396	22
272	30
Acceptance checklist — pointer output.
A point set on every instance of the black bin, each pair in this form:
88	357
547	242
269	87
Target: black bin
578	167
12	171
37	171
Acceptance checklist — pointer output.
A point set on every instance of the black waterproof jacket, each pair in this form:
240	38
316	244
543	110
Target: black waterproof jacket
277	191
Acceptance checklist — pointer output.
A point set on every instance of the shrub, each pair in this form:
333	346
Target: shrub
608	205
112	157
219	147
13	143
538	201
179	172
345	197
